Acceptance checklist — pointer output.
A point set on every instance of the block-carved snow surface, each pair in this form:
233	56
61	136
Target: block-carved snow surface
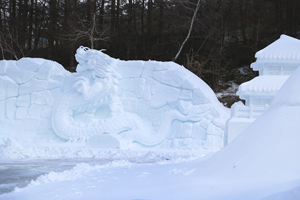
29	89
109	103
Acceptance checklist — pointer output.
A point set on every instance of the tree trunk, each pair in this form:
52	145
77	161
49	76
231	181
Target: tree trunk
129	28
112	17
118	17
242	21
24	24
30	24
1	31
102	14
12	16
161	17
190	30
72	11
142	16
88	10
149	18
1	20
36	25
149	29
19	25
52	27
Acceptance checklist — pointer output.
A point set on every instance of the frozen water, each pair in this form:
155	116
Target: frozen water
19	173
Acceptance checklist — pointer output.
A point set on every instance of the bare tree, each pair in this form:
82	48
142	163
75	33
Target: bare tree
88	32
112	17
190	30
9	44
53	4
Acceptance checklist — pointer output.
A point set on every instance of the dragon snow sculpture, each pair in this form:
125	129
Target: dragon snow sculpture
137	102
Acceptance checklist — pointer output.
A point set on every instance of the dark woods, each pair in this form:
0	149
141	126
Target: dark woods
217	43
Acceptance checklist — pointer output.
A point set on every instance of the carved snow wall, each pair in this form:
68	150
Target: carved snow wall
109	103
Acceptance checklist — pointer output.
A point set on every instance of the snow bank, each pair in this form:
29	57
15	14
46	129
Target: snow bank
13	150
267	150
76	172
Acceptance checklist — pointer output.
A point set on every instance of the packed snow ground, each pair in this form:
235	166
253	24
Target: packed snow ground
154	177
29	163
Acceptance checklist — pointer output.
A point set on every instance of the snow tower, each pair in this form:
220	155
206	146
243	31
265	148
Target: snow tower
275	63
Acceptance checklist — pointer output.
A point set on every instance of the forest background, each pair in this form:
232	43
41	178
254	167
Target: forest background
215	39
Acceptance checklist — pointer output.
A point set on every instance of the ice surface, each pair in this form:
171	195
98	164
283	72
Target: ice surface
136	102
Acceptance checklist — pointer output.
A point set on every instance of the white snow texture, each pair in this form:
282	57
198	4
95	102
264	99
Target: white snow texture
134	103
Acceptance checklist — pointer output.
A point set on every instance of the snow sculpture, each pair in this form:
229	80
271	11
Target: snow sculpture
274	63
118	104
29	89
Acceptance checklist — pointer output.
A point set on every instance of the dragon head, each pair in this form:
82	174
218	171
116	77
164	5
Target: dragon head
91	59
94	70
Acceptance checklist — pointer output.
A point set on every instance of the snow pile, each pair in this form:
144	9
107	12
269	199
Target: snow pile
267	151
70	175
14	150
293	194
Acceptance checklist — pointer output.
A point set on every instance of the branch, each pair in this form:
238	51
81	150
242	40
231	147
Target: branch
190	30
